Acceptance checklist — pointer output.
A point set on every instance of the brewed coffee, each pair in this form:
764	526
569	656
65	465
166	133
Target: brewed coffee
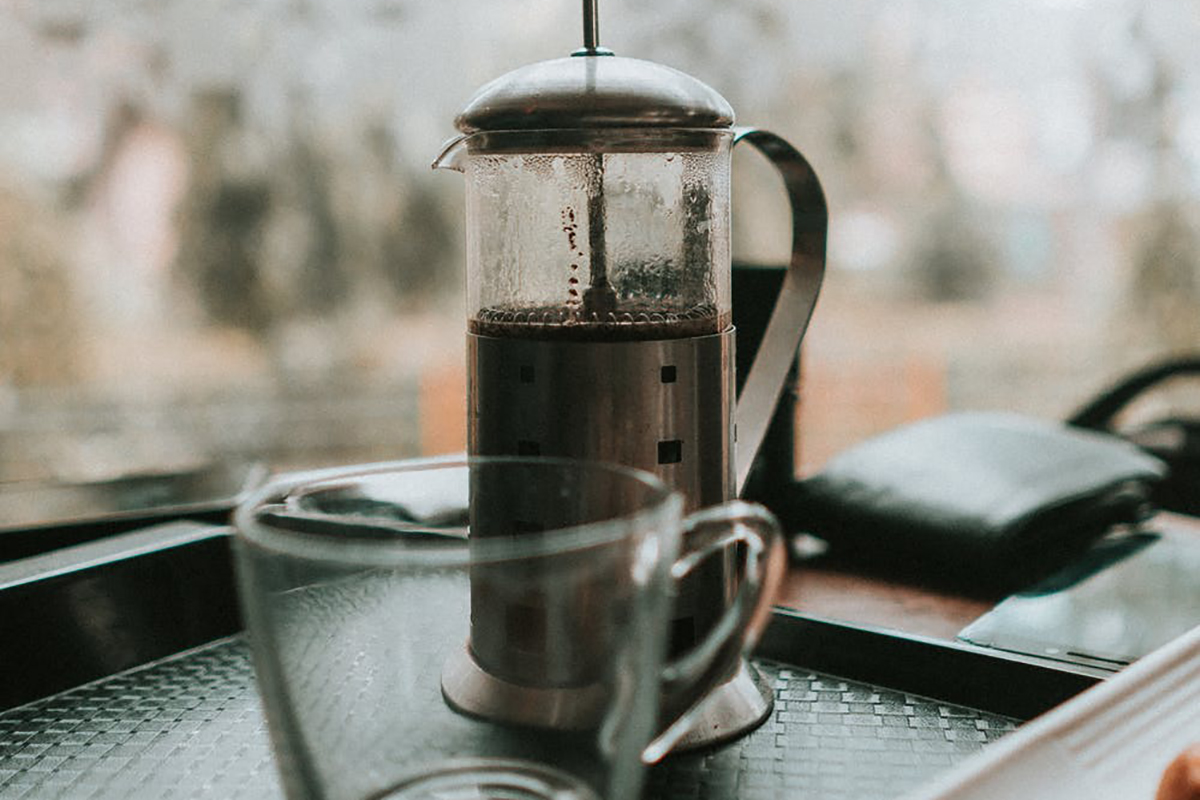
628	322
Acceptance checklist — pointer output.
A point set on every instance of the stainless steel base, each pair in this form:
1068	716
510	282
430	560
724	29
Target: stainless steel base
471	689
734	707
665	406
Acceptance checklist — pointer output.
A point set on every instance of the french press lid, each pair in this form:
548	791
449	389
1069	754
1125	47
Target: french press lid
594	91
593	88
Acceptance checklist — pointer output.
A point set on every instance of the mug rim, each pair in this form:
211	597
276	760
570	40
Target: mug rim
365	541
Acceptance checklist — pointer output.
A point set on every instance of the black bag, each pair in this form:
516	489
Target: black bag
1175	440
976	500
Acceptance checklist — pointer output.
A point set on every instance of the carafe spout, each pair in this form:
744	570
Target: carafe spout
453	154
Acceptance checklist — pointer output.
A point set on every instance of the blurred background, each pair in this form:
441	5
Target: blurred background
220	236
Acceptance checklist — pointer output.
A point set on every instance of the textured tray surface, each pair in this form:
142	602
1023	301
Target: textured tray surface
192	727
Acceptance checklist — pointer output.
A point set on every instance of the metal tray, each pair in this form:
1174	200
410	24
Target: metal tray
39	516
124	676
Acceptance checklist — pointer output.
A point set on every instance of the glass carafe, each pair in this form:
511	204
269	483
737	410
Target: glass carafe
598	295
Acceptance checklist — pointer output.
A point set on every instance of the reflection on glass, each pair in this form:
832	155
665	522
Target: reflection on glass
1126	597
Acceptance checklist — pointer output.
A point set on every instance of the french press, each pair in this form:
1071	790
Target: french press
599	308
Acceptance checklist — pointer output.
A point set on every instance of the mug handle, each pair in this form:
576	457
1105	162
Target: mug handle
709	533
797	296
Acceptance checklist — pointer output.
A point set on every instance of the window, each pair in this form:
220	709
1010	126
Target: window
224	240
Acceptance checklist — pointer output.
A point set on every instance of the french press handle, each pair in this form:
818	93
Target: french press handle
796	300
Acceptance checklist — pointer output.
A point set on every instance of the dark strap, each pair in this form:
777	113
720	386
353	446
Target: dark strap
1099	413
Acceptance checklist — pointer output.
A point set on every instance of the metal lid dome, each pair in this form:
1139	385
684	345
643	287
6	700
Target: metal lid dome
593	89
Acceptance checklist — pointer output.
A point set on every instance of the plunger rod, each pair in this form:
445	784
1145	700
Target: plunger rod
598	299
591	25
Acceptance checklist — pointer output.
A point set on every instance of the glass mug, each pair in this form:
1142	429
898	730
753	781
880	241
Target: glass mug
399	657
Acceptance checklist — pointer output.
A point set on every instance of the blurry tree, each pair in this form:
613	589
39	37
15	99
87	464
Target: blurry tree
223	219
317	282
1166	284
1166	258
39	319
419	245
952	261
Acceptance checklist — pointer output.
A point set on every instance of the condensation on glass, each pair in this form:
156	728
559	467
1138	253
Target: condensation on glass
542	259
